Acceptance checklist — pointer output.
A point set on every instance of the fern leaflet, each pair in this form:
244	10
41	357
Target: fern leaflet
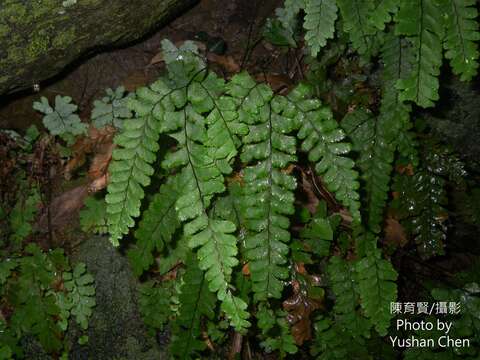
268	192
382	13
461	36
421	21
376	285
319	23
355	14
196	302
157	227
130	169
322	140
376	155
343	280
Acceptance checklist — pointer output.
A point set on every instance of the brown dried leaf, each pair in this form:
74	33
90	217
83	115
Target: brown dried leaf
135	80
99	165
279	83
63	208
225	61
299	307
395	233
97	141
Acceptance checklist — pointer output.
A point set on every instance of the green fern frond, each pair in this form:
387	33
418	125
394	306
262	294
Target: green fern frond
355	15
421	21
200	160
322	139
369	139
22	216
275	331
343	281
111	109
158	224
397	58
318	233
332	342
319	23
461	37
154	303
382	13
196	302
93	216
422	197
61	120
377	288
268	192
130	169
224	125
202	179
289	13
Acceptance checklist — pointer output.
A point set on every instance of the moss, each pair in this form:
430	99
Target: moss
42	7
4	30
38	44
14	13
89	2
64	38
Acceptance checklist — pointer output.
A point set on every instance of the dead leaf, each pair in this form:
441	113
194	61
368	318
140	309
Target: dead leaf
278	82
395	233
96	141
63	209
299	307
225	61
135	80
246	270
405	169
100	162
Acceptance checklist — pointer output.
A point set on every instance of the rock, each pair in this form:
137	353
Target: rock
40	38
116	330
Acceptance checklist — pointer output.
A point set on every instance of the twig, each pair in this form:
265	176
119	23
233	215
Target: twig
236	348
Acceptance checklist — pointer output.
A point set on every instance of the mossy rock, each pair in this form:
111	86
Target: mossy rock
116	330
40	38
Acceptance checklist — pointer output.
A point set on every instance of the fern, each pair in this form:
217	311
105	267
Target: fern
274	323
333	343
382	13
61	120
130	169
397	59
322	139
157	227
376	286
80	298
369	137
201	165
320	16
422	200
343	281
461	36
38	308
289	13
111	109
196	302
22	216
317	235
93	216
155	303
355	14
421	21
268	191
